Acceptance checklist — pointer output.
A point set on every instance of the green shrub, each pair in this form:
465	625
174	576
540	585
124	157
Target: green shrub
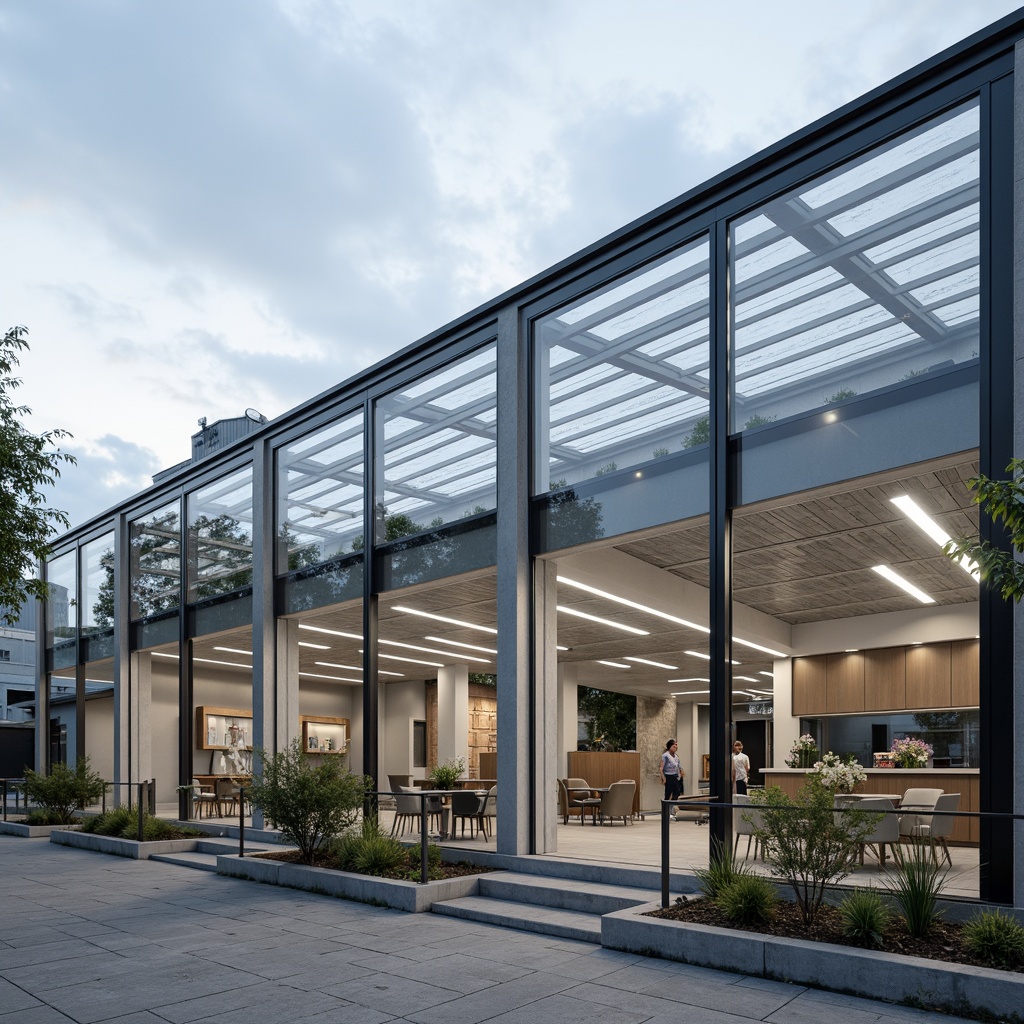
63	791
114	822
915	887
807	842
722	870
750	900
447	774
41	817
865	916
310	802
995	938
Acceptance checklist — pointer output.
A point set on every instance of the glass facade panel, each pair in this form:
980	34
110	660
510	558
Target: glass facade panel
865	277
98	585
220	536
320	496
156	562
62	608
622	375
437	463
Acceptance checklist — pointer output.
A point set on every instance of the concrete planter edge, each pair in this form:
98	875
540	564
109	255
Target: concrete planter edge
933	984
388	892
121	847
18	828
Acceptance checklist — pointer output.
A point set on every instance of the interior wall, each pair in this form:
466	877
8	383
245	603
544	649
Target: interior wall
219	688
99	735
164	729
404	703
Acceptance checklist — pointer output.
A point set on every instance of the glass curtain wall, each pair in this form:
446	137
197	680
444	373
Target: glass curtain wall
621	473
436	548
855	345
320	561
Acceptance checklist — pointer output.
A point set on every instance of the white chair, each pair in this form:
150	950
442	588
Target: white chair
202	796
489	817
746	821
916	800
885	833
939	827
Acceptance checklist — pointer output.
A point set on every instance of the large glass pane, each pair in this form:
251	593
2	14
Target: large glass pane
98	585
437	463
220	536
61	608
622	374
320	496
863	279
156	562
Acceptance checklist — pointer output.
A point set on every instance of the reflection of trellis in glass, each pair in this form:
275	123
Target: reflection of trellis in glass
156	562
626	371
438	462
220	537
866	277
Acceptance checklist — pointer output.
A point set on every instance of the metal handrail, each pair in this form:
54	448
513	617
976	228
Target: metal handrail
714	804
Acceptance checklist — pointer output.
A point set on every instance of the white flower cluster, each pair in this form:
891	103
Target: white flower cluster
837	775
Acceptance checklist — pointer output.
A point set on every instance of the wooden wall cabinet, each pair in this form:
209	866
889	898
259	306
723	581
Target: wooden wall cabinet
809	696
928	676
844	683
214	725
965	687
322	735
885	679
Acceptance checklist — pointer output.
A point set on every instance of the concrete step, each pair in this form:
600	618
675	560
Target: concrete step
198	861
566	924
563	893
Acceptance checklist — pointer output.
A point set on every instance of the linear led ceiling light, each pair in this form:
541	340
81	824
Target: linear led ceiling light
895	577
690	693
455	643
745	679
160	654
212	661
928	525
757	647
233	650
707	657
434	650
770	675
334	679
443	618
691	679
330	632
632	604
318	647
654	664
603	622
334	664
411	661
614	664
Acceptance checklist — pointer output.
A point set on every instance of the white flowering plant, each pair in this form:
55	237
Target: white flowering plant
838	775
803	753
911	753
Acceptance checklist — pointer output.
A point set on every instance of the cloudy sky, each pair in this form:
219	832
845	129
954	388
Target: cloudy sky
207	205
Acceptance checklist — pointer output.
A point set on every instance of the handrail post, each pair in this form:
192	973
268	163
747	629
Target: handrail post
142	813
241	821
152	796
424	858
664	853
5	799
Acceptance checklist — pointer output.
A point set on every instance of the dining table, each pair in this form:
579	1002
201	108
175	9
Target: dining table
594	793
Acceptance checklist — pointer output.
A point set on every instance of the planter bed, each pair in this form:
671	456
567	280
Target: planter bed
19	828
400	894
954	988
122	847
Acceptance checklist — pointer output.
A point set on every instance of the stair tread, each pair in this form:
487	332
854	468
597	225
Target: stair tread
525	916
520	878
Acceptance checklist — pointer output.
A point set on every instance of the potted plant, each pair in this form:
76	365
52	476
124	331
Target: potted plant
838	775
911	753
447	774
803	753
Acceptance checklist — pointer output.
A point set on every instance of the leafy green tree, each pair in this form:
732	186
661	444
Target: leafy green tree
1003	501
613	716
28	464
311	800
701	433
65	790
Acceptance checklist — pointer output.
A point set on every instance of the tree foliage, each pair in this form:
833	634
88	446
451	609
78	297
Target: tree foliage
1003	501
29	463
311	800
65	790
613	718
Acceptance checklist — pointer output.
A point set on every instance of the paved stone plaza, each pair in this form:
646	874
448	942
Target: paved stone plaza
90	938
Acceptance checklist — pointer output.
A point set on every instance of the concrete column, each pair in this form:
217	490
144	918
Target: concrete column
453	713
549	759
786	728
287	696
568	715
141	729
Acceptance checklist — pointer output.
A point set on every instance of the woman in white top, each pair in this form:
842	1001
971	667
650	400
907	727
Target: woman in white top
740	767
671	771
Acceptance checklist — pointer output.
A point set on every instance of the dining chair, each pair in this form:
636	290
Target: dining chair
746	821
202	795
565	805
916	800
468	806
579	796
407	810
885	833
227	792
489	817
939	826
618	802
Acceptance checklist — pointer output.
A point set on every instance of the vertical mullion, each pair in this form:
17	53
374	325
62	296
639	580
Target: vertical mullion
372	449
720	591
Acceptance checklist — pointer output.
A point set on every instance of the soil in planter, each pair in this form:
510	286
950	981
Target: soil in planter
943	941
445	869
